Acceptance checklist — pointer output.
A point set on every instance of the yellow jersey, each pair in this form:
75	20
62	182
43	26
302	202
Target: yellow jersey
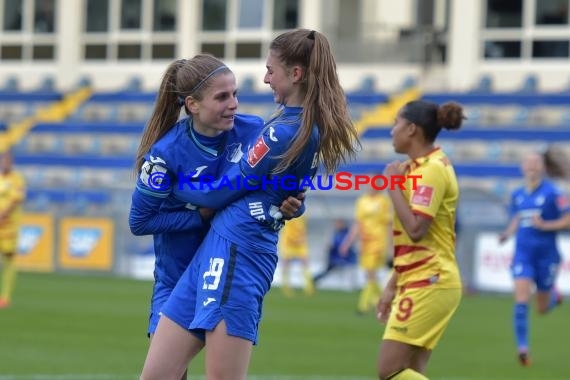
12	190
430	260
373	216
293	238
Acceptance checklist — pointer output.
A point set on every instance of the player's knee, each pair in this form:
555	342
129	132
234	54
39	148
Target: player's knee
387	371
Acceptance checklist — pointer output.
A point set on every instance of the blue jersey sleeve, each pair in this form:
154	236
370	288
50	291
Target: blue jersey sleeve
146	217
153	186
251	173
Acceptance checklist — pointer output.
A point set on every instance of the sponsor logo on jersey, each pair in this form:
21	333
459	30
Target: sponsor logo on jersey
208	301
257	152
422	196
272	134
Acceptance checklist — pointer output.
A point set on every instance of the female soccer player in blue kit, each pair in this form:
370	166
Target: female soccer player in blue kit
207	142
224	286
538	211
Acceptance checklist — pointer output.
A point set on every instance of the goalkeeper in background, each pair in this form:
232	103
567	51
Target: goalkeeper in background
12	195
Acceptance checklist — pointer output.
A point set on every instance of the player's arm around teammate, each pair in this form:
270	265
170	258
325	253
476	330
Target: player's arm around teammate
235	264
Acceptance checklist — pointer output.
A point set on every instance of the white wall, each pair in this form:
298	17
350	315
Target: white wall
462	72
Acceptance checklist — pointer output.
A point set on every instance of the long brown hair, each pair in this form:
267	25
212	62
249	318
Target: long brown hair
183	78
556	163
324	103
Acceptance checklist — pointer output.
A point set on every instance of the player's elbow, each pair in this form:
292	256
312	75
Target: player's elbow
137	226
418	228
415	235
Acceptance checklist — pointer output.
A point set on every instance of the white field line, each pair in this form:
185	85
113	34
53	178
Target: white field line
84	376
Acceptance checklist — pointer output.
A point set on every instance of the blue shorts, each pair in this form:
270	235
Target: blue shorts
537	263
223	282
160	293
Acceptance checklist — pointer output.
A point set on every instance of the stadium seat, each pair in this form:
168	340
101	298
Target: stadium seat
247	85
485	85
84	81
133	85
530	85
367	86
47	85
408	82
12	84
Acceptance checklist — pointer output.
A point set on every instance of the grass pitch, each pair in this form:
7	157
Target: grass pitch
70	327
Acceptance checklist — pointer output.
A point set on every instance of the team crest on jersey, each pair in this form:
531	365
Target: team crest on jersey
422	196
257	152
234	153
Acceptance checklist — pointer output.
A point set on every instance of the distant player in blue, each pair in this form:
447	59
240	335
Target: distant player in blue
335	258
224	286
206	143
538	211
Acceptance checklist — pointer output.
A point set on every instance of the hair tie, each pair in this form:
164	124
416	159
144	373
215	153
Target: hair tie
180	100
311	35
197	87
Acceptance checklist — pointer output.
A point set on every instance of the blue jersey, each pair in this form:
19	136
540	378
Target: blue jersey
234	267
177	227
335	257
549	203
249	192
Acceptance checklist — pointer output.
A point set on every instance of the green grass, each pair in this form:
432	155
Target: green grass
84	327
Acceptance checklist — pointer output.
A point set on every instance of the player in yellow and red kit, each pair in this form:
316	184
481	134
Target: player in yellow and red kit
12	194
293	246
425	288
373	226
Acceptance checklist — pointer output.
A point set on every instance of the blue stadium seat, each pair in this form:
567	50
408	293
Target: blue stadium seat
47	84
530	85
408	82
12	84
367	86
247	85
133	85
485	85
84	81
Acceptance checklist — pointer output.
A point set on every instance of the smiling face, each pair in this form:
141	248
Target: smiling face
283	81
215	111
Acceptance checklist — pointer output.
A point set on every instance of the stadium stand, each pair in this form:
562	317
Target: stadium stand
80	161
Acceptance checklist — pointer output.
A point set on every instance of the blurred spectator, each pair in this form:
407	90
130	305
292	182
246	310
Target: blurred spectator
335	259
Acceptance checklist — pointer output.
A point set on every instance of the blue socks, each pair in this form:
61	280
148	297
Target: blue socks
554	299
520	321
